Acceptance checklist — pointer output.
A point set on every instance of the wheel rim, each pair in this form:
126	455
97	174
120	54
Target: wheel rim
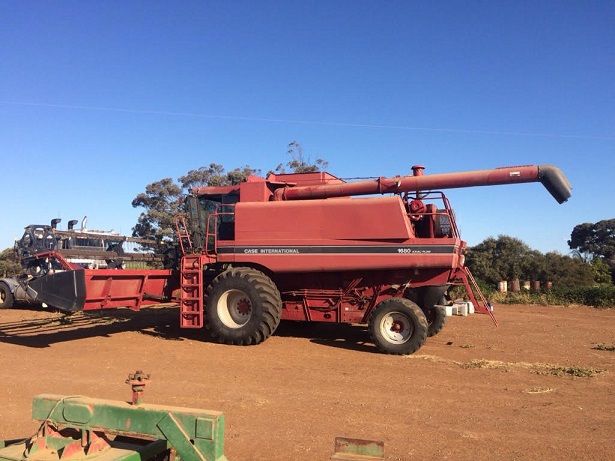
2	295
396	327
234	308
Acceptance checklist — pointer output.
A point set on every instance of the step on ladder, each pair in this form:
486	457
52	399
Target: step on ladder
191	304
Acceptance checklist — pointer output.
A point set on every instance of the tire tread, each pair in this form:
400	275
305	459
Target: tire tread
269	300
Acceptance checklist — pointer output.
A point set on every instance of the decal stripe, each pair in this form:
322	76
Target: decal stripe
336	249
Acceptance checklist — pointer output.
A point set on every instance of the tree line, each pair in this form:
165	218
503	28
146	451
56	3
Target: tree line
508	258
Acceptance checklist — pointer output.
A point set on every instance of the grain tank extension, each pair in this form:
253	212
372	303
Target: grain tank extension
308	247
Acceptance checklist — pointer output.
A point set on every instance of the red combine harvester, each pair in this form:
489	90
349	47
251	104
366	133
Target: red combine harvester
301	247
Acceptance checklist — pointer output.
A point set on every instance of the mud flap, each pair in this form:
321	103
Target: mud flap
62	290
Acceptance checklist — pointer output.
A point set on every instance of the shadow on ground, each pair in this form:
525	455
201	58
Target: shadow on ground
342	336
57	328
159	322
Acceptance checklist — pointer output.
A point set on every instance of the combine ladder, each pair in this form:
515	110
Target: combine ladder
191	304
475	294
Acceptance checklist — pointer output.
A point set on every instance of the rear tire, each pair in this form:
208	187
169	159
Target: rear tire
436	319
6	297
436	316
243	307
398	326
427	298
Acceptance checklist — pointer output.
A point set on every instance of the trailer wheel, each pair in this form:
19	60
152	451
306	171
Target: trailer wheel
6	297
398	326
243	307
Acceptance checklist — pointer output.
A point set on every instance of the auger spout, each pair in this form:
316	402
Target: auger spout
550	176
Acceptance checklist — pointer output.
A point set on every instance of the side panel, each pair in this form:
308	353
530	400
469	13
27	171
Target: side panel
333	235
334	219
108	289
330	256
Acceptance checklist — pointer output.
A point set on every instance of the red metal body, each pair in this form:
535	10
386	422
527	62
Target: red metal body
70	287
334	257
113	288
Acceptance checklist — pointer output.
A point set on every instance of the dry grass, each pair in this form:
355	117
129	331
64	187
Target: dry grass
556	370
483	363
539	390
537	368
604	347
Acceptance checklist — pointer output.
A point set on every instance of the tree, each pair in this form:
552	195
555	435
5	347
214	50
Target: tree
299	162
9	265
602	271
162	201
508	258
215	175
565	271
595	240
504	258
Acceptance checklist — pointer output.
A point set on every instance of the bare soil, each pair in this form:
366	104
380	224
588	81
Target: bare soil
472	392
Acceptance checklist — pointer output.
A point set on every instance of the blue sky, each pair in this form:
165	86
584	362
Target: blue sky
97	99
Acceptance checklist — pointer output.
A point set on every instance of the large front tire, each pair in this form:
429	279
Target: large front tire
6	297
398	326
243	307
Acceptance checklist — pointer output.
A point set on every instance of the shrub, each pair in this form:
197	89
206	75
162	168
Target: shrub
600	296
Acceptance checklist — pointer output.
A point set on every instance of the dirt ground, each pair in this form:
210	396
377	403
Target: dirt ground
472	392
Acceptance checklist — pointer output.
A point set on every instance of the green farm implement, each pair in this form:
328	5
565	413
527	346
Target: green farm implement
78	428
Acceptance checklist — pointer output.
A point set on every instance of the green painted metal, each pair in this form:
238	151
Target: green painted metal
179	439
6	443
196	435
119	451
347	449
